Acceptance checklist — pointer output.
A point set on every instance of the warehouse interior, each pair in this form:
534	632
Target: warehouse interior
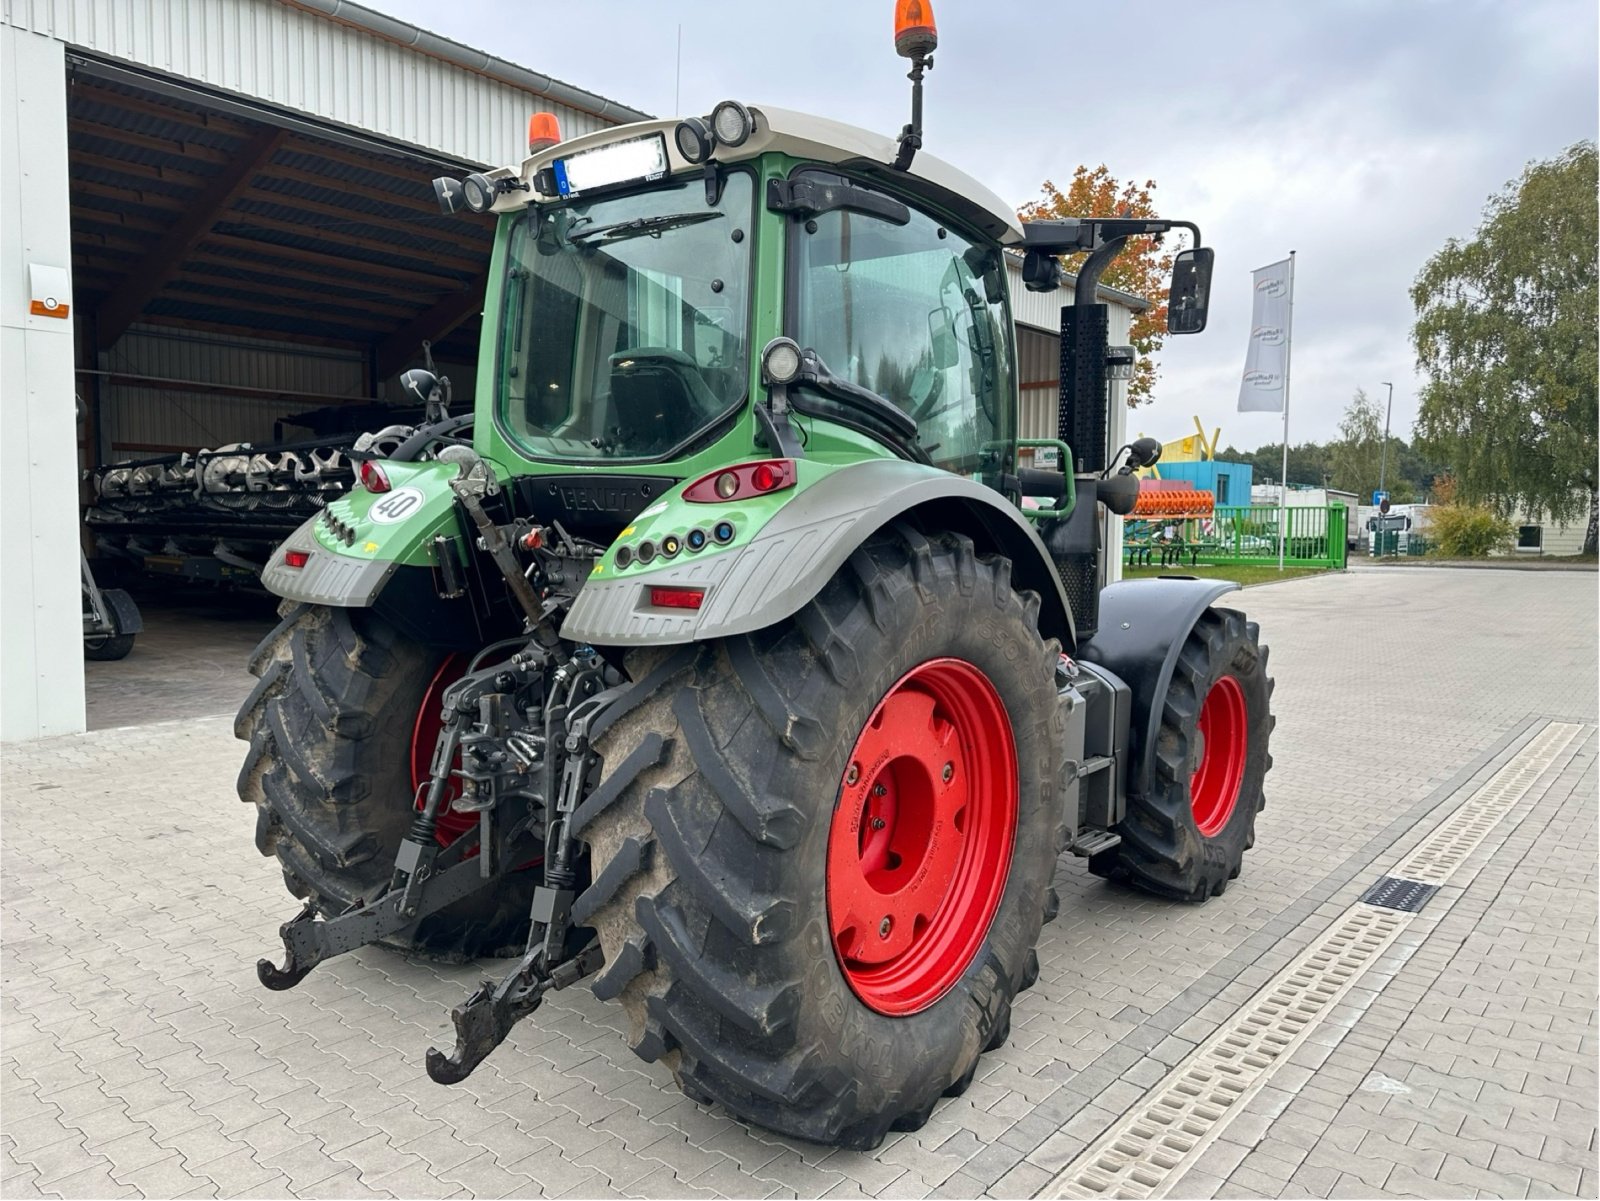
232	269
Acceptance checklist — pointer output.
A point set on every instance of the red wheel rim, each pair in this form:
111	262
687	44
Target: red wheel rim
1224	742
424	736
920	846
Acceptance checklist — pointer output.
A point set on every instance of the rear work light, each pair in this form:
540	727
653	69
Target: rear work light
677	598
742	481
296	558
373	477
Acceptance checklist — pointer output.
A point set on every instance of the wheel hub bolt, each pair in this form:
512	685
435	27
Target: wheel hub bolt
885	926
949	772
854	774
879	790
877	823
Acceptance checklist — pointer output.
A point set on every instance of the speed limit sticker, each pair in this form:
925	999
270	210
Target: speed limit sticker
396	506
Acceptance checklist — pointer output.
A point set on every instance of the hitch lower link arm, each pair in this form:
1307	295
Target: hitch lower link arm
485	1018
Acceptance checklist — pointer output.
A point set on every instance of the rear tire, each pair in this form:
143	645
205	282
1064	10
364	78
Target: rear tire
330	727
1187	838
105	648
710	834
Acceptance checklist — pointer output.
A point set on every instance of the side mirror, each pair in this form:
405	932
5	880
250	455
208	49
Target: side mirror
420	385
942	338
1191	291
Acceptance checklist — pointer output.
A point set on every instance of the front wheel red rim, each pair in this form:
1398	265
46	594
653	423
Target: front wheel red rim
920	846
1224	732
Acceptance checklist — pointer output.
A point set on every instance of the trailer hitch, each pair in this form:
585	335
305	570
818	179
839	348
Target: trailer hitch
484	1019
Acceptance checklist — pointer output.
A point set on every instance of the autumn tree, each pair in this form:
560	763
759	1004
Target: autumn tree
1506	334
1144	268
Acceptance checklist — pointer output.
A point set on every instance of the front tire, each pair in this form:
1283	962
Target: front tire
1187	838
733	824
332	726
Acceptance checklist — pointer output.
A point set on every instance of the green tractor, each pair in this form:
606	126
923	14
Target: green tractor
726	657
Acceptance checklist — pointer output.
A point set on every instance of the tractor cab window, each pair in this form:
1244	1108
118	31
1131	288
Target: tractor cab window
916	312
624	323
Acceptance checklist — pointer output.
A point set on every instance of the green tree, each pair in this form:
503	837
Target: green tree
1506	334
1357	461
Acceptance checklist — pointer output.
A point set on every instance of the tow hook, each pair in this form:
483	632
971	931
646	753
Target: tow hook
484	1019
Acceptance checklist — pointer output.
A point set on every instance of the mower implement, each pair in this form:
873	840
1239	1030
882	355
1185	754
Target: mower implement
742	664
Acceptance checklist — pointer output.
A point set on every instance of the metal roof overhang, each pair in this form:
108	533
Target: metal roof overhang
204	210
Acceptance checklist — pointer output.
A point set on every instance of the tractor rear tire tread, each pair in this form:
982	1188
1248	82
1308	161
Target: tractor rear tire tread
329	725
730	976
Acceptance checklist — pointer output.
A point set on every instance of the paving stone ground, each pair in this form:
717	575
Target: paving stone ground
139	1056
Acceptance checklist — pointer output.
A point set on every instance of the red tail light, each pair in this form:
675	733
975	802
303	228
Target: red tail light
677	598
296	558
373	477
741	482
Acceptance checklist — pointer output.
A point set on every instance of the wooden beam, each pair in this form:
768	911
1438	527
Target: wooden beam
348	313
336	268
198	118
464	237
323	233
122	194
233	328
117	166
166	257
194	273
118	217
173	146
399	347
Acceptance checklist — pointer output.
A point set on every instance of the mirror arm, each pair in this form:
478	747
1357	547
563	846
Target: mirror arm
1083	292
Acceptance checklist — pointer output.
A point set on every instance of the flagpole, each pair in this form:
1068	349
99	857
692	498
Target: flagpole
1283	480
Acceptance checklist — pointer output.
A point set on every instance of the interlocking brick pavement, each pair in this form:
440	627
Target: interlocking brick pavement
139	1056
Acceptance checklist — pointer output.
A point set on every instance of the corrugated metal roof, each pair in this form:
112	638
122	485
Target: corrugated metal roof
331	61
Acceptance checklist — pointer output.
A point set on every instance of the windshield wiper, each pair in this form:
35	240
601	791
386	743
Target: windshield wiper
641	226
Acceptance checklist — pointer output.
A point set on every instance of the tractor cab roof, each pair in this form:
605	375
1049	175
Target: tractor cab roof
801	135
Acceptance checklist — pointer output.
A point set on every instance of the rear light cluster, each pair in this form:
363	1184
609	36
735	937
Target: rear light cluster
373	477
742	482
296	558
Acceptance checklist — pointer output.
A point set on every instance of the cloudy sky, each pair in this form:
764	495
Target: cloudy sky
1359	133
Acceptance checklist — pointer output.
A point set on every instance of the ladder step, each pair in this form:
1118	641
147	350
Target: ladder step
1092	842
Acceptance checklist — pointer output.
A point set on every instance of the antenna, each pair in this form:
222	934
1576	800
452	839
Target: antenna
677	79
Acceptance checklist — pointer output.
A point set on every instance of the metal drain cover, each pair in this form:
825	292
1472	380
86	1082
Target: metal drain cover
1406	896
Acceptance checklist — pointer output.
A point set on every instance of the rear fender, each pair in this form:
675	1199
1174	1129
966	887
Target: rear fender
359	542
1143	624
769	576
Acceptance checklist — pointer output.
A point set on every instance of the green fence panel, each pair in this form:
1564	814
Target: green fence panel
1314	536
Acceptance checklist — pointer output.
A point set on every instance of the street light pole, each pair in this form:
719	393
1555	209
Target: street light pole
1383	455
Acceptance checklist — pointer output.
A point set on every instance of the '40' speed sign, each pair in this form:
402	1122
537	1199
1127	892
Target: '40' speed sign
396	506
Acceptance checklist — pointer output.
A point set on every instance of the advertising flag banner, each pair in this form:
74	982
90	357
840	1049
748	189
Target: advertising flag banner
1265	385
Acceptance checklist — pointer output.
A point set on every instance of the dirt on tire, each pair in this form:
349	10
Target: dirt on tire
709	830
329	724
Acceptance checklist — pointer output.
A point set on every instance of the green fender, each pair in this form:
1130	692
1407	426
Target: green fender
770	574
356	545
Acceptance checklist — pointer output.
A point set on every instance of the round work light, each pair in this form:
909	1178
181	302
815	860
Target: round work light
693	139
780	361
731	123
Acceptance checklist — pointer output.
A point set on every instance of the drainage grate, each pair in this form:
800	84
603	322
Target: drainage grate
1183	1114
1147	1151
1407	896
1444	850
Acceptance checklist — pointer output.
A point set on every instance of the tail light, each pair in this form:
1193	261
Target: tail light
296	558
677	598
742	482
373	477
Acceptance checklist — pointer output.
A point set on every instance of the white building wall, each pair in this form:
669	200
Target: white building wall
41	632
304	61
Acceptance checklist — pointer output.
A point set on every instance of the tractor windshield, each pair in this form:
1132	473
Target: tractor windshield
624	329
